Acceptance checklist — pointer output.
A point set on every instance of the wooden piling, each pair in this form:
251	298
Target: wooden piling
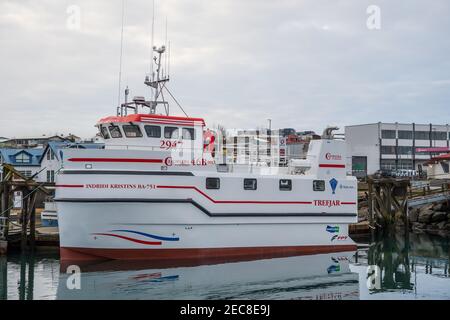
3	278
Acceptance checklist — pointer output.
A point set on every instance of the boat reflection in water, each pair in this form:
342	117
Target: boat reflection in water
416	266
323	276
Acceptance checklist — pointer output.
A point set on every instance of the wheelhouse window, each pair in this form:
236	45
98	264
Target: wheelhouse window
319	185
104	132
212	183
132	131
115	132
153	131
188	134
171	133
285	185
250	184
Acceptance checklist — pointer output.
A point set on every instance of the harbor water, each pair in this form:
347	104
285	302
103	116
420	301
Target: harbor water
393	267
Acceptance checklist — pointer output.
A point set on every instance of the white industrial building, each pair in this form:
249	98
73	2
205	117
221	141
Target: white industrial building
393	146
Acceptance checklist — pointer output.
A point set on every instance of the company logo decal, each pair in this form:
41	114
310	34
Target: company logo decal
168	161
330	156
338	238
333	229
333	184
113	233
333	268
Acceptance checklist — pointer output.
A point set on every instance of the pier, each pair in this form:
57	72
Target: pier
386	203
18	220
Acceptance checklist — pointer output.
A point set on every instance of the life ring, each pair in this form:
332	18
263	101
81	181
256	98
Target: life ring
208	142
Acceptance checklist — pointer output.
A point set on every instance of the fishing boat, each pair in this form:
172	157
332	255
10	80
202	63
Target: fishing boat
158	191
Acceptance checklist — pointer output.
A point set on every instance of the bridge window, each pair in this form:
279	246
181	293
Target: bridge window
153	131
285	185
132	131
188	134
171	133
250	184
212	183
104	132
319	185
115	132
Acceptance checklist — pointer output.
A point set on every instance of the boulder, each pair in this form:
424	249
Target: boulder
448	216
425	216
418	226
439	216
447	226
441	225
432	226
445	207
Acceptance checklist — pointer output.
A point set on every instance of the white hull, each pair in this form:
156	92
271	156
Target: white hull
123	230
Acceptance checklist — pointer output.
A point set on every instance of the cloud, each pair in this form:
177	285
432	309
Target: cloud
304	64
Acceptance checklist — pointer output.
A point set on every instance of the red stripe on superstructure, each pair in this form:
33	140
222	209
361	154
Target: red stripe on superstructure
134	160
69	185
331	165
129	239
143	117
233	201
171	123
193	254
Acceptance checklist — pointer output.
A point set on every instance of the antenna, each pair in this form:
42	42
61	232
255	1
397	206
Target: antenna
168	65
165	56
121	54
152	39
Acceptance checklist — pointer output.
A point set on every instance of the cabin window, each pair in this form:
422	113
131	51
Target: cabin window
171	133
115	132
250	184
285	184
132	131
104	132
188	134
319	185
153	131
212	183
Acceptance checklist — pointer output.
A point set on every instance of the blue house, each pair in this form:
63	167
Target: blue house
26	161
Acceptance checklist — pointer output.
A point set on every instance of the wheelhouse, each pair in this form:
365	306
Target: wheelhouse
152	131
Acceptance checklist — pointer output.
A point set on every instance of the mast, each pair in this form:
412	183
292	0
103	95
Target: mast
158	82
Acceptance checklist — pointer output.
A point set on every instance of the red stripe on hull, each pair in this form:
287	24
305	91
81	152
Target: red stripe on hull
326	165
115	160
129	239
69	186
89	254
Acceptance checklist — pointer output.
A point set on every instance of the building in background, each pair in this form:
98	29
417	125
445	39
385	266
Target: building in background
264	146
42	163
34	142
393	146
26	161
51	159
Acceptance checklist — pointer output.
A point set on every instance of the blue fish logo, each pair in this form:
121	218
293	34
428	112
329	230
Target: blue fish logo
333	184
333	269
332	229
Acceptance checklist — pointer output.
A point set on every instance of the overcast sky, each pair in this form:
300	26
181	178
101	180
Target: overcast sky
304	64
